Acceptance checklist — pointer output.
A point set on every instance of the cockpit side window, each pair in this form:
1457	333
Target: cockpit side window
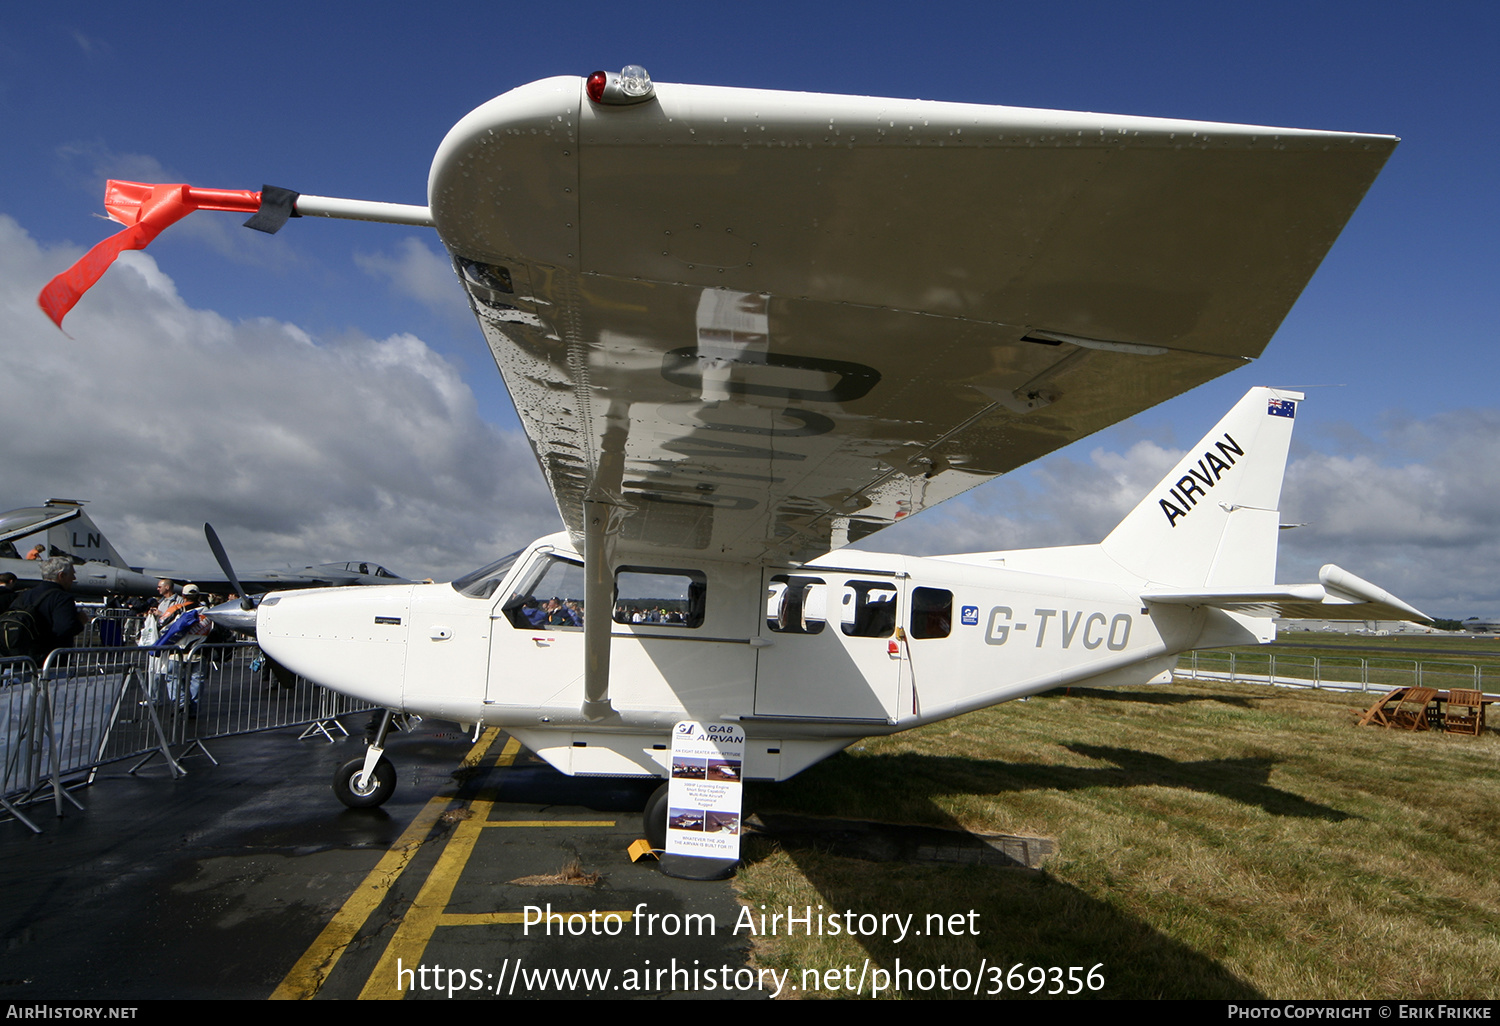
550	595
481	583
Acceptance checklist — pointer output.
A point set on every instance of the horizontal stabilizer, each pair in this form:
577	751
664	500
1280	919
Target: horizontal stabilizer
1339	595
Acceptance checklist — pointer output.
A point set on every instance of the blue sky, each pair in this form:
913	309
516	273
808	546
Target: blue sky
1396	466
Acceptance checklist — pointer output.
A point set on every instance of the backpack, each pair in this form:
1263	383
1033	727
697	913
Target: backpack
20	634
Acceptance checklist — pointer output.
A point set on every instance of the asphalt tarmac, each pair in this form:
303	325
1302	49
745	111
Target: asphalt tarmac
248	880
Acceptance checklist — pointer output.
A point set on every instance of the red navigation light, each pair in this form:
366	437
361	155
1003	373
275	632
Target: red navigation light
628	86
595	85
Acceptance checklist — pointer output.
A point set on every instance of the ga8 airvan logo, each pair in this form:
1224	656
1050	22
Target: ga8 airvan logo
970	615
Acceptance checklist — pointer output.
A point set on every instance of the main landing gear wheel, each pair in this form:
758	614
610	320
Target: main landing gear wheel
681	867
380	786
655	816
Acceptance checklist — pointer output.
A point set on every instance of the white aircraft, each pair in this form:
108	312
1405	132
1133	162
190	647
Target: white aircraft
745	328
63	528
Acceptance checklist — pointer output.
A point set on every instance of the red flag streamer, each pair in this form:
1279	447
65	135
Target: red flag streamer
145	210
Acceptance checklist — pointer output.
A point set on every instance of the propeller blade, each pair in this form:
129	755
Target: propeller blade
218	551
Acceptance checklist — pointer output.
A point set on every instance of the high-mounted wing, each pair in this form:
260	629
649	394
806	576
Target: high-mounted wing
764	324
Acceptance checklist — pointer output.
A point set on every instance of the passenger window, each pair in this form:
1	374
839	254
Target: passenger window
796	605
931	613
868	609
550	596
659	597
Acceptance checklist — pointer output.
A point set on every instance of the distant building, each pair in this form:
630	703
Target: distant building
1379	628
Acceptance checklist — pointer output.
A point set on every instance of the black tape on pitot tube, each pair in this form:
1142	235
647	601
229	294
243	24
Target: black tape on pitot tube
276	205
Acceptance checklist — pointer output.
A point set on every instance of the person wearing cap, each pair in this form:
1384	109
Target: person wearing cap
169	604
185	658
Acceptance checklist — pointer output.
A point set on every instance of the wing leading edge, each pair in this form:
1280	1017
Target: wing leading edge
762	325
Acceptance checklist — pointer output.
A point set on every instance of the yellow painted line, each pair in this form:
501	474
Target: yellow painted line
410	941
482	746
513	918
550	823
316	964
426	913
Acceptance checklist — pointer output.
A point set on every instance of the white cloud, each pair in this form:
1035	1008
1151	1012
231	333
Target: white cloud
1415	509
415	270
304	450
1059	501
91	44
298	450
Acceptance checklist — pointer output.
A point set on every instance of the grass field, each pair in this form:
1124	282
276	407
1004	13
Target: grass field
1213	842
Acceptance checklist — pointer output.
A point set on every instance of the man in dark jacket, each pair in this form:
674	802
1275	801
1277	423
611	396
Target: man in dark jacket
53	609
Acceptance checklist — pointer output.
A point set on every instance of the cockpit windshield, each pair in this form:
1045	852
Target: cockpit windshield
481	583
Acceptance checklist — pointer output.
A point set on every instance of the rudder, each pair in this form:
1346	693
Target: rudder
82	538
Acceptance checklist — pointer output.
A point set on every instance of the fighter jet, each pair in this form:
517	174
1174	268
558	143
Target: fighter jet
62	528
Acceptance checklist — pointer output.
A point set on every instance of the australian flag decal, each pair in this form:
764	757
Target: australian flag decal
1282	408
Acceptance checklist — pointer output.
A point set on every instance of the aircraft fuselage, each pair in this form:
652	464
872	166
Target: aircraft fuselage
806	659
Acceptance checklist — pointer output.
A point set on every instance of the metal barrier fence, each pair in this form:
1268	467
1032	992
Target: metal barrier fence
1339	673
18	721
109	627
90	706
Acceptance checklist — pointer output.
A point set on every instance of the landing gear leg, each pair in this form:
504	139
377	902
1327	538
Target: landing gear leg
368	782
655	817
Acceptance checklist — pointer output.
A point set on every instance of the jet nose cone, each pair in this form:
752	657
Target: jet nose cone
234	616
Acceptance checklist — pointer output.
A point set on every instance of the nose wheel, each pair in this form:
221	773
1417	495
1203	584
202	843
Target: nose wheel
367	782
360	790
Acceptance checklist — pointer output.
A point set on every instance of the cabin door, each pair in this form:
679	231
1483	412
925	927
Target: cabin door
829	646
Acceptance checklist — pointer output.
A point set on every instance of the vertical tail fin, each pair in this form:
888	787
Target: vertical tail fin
81	537
1213	521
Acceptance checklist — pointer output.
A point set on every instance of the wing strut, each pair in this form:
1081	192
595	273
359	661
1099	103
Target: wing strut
604	513
601	527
